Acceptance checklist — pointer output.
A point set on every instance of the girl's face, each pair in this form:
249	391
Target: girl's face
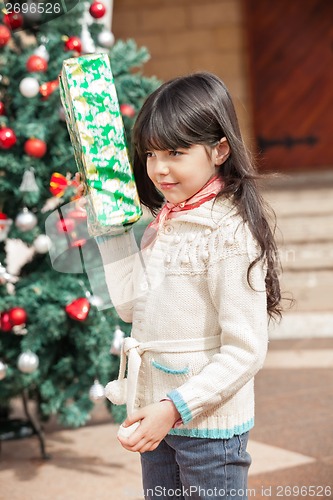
180	174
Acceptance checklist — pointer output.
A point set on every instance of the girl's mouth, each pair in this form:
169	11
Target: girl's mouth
168	185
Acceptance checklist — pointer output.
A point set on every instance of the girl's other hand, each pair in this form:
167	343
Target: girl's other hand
81	187
156	421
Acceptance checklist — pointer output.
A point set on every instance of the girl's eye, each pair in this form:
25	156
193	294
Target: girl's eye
149	154
175	153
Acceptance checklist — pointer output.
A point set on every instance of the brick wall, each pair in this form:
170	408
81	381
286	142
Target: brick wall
183	36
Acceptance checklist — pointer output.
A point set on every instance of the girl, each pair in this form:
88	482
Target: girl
198	294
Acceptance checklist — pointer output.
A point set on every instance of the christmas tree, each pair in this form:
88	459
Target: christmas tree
56	333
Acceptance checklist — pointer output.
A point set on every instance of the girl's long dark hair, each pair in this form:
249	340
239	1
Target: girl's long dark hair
197	109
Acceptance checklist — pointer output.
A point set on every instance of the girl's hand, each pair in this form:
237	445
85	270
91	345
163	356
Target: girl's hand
80	188
156	421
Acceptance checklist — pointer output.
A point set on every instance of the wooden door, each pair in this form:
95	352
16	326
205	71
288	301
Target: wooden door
291	65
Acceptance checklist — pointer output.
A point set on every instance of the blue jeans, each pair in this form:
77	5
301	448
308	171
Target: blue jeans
197	468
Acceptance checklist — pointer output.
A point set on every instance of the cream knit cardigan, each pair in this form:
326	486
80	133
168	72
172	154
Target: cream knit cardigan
199	331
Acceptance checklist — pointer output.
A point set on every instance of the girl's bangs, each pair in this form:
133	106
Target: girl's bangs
162	131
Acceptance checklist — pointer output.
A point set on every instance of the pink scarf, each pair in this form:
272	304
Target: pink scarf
172	210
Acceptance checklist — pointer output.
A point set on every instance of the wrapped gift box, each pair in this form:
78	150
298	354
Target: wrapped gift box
95	125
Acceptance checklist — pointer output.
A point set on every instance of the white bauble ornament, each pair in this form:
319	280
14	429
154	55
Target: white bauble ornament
96	392
126	432
117	342
25	220
106	39
3	370
29	86
41	51
42	243
28	362
95	301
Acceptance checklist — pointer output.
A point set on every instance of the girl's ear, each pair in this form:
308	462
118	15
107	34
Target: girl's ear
221	151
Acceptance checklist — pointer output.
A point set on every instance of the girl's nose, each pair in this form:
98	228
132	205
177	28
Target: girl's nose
161	167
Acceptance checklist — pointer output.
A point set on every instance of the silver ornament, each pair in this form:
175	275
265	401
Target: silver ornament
117	342
42	243
106	39
3	370
25	220
96	392
28	362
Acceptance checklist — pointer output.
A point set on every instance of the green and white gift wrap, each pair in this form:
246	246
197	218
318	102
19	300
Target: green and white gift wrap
96	129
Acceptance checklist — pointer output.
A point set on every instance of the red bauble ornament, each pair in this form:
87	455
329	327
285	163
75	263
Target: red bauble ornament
7	138
13	20
65	225
97	10
17	316
127	110
36	63
5	323
73	43
47	88
35	148
78	309
4	35
2	109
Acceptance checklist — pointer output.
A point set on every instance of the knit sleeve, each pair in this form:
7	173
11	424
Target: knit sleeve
121	258
242	316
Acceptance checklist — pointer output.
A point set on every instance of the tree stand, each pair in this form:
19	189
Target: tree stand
17	428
